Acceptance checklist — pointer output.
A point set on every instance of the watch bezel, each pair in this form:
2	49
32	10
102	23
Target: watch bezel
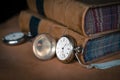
71	55
15	41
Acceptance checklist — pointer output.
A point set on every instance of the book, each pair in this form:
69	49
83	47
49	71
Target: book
93	48
86	19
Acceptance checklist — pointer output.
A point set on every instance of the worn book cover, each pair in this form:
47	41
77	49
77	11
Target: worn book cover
85	18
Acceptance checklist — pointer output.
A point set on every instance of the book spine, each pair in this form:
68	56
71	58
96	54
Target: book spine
36	6
63	11
103	46
35	24
28	24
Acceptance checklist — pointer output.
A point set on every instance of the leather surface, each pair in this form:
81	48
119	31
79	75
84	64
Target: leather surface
71	12
19	63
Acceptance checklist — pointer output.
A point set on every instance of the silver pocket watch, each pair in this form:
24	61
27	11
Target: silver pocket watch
64	49
14	38
67	50
44	46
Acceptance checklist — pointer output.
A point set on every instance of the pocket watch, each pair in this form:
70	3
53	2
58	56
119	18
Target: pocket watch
65	49
44	46
14	38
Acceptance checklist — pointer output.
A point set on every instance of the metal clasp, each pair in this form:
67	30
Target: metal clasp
79	50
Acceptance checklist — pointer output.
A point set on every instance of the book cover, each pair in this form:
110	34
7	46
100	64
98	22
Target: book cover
86	19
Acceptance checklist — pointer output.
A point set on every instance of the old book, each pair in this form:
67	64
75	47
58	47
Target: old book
94	48
85	18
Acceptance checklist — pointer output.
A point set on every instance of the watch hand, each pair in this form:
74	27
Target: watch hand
64	46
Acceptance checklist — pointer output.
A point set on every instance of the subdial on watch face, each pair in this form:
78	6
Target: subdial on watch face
64	48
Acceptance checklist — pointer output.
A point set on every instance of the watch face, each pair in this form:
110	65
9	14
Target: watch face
44	46
64	48
14	38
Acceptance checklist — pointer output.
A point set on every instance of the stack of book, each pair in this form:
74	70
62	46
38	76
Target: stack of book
95	27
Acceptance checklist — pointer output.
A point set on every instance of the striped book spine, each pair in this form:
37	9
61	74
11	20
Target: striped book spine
102	46
102	19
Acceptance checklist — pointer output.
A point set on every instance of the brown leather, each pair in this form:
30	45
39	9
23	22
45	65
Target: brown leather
19	63
62	11
59	9
31	5
49	11
48	26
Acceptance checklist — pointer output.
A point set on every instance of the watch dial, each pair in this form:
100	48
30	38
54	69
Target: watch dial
14	36
64	48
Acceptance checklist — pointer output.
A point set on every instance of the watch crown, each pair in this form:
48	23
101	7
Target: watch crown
78	49
29	35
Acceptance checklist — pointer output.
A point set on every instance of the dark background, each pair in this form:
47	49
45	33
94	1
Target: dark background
9	8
